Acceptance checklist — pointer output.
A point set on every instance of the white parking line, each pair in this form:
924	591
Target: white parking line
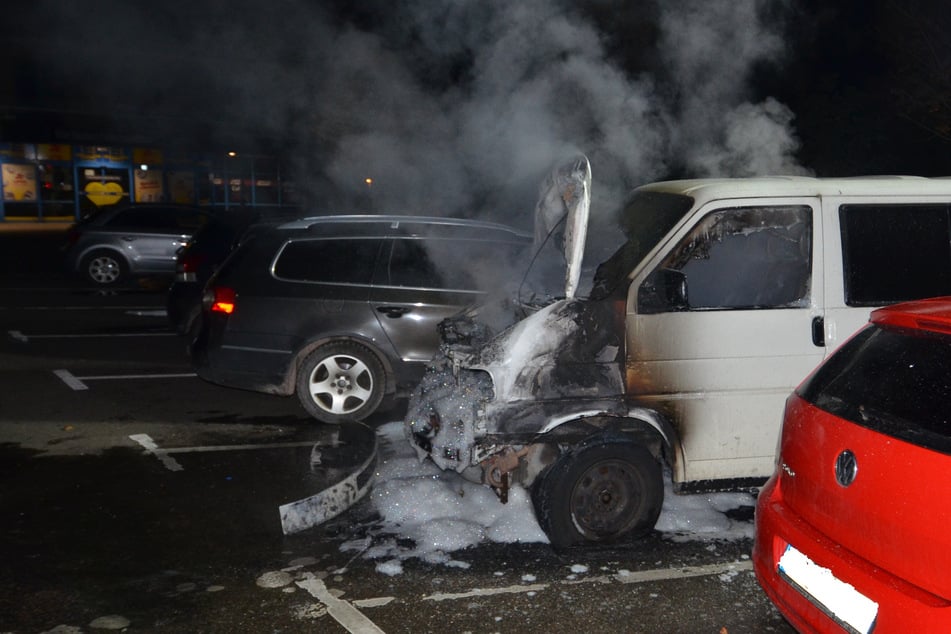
641	576
78	382
668	574
67	377
163	454
146	441
485	592
19	336
277	445
62	308
352	619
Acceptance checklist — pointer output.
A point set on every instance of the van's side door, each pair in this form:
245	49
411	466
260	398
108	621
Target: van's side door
722	323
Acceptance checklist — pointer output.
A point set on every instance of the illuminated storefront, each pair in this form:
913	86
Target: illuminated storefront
65	182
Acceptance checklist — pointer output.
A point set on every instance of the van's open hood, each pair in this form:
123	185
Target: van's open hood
561	214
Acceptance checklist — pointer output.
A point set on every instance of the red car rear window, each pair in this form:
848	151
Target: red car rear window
894	381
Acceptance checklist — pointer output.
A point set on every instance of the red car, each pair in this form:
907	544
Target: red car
853	531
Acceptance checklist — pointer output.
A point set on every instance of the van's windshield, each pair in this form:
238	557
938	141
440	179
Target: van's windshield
645	219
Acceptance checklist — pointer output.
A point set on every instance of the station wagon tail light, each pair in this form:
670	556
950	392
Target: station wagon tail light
220	299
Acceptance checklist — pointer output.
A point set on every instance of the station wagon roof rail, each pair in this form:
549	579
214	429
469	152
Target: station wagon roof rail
395	220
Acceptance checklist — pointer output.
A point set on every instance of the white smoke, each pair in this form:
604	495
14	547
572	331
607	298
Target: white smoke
450	107
712	49
538	86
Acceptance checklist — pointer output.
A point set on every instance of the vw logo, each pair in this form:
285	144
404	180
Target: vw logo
845	468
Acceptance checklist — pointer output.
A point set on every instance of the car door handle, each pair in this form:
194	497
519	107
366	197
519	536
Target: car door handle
819	332
394	312
129	238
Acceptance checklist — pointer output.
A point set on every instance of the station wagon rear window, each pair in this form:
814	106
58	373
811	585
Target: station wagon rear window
333	261
892	381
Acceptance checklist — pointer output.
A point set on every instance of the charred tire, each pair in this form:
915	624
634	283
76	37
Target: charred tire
340	381
599	493
104	268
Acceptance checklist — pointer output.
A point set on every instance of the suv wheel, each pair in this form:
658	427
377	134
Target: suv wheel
599	493
104	268
340	381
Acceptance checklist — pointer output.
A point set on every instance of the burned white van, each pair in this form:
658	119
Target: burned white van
723	296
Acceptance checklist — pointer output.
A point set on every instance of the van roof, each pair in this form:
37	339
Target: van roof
702	189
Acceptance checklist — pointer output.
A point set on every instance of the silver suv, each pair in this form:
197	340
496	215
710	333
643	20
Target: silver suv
343	310
112	245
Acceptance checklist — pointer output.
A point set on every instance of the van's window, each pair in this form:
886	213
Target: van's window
336	261
737	258
894	253
454	264
642	222
892	381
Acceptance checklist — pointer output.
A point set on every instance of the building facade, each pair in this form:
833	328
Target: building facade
47	181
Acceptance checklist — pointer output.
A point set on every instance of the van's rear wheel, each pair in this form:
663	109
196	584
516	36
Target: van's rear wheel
340	381
599	493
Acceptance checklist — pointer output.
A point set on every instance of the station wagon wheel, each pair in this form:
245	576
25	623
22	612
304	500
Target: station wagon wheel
599	493
104	268
340	381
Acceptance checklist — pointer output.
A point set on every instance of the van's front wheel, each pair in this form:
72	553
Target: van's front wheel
599	493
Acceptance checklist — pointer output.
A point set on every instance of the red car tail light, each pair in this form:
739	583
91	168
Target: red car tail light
220	299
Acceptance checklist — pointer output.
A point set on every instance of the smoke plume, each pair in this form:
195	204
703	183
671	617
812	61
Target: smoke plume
449	107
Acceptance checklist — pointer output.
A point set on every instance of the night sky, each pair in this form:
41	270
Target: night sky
459	104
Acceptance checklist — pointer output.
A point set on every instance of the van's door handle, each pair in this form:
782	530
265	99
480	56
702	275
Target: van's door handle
819	332
129	238
394	312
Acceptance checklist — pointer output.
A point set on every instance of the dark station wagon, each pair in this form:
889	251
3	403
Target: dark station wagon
343	310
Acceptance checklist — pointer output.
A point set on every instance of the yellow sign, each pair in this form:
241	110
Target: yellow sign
104	194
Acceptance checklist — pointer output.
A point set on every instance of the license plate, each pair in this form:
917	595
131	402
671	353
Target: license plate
841	601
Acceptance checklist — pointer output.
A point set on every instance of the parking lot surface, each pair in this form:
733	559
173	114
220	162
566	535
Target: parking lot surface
136	497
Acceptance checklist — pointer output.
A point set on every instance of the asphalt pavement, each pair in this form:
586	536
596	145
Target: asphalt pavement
136	497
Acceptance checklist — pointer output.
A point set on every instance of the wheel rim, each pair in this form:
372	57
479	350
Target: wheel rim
605	499
341	384
104	270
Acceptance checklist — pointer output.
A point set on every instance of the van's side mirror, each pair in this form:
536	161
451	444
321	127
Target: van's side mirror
664	291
